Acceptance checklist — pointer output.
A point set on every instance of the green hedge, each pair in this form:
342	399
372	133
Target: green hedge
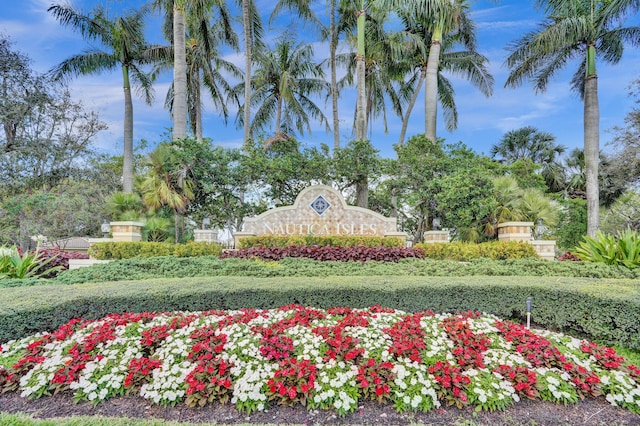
128	250
603	310
463	251
320	240
209	266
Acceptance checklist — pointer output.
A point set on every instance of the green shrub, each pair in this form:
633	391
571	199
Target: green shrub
623	249
464	251
128	250
602	310
210	266
321	240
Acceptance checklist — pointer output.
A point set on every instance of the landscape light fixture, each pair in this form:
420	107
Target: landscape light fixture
529	306
105	228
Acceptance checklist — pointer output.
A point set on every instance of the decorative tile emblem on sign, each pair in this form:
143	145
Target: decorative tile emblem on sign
320	205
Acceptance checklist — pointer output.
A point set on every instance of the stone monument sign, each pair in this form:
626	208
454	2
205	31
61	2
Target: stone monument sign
319	210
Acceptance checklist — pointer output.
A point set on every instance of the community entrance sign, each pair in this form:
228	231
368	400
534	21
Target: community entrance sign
320	210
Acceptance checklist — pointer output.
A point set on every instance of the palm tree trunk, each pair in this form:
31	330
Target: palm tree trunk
127	158
198	107
175	225
247	70
592	143
362	186
431	85
278	115
361	102
412	102
179	73
333	45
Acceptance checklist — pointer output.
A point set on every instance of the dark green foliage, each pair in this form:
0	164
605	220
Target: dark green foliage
573	220
320	240
603	310
496	250
128	250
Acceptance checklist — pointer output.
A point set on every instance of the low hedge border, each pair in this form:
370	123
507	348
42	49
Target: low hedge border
128	250
211	266
604	310
465	251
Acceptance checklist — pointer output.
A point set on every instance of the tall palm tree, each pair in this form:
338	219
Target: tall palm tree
440	17
385	67
576	29
467	63
178	10
282	85
204	64
123	41
167	183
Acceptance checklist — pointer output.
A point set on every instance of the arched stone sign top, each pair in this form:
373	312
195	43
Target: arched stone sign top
320	210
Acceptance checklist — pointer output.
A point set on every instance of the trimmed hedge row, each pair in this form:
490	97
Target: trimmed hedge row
463	251
603	310
209	266
128	250
320	240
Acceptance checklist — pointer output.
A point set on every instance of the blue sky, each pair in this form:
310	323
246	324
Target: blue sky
481	121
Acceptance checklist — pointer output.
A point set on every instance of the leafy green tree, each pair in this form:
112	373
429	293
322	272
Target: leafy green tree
125	46
430	181
283	168
46	137
73	208
572	223
623	214
576	29
355	165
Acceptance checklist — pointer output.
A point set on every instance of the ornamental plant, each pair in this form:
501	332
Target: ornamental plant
325	253
622	249
17	265
324	359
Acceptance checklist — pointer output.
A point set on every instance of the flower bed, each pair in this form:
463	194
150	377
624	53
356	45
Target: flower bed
327	359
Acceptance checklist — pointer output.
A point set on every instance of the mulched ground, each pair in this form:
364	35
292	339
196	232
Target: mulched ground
588	412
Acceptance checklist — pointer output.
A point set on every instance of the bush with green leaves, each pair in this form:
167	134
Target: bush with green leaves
463	251
621	249
320	240
128	250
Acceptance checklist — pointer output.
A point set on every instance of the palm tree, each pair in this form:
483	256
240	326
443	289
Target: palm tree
282	84
385	67
123	40
576	29
204	64
466	63
253	33
529	143
167	183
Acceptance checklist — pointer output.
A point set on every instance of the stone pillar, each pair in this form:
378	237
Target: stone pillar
205	235
515	231
237	236
126	231
431	237
546	249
